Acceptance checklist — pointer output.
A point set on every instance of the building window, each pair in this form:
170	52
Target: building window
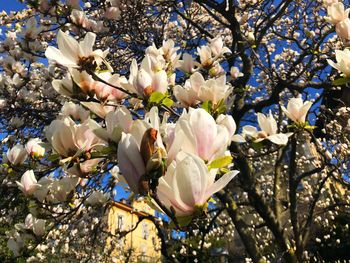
145	231
120	222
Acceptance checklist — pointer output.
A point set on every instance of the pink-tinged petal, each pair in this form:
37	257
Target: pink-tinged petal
160	81
98	109
219	144
28	180
187	64
143	81
228	122
219	184
130	161
61	137
176	146
189	181
89	165
197	81
204	129
16	155
28	184
138	129
205	55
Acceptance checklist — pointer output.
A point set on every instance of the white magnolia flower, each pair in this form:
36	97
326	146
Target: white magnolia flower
343	29
101	90
28	184
211	52
130	161
75	111
268	131
117	121
35	224
15	243
34	148
147	79
197	132
188	94
198	89
74	54
188	184
217	46
68	138
97	108
343	61
61	189
31	31
214	90
228	122
187	64
64	86
16	155
297	109
337	13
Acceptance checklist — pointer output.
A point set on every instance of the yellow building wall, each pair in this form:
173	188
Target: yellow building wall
143	243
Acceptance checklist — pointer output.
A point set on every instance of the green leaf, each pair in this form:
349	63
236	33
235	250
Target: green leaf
107	150
309	127
156	97
168	102
212	200
53	157
220	162
258	145
220	108
184	220
207	105
340	81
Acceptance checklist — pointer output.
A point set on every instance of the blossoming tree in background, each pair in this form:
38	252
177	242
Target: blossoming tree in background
231	118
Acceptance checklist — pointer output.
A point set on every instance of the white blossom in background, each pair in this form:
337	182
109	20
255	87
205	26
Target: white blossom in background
34	148
28	184
16	155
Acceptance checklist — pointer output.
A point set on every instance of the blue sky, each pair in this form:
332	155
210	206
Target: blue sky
11	5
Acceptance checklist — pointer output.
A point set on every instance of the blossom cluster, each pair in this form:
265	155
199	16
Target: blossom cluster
168	127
